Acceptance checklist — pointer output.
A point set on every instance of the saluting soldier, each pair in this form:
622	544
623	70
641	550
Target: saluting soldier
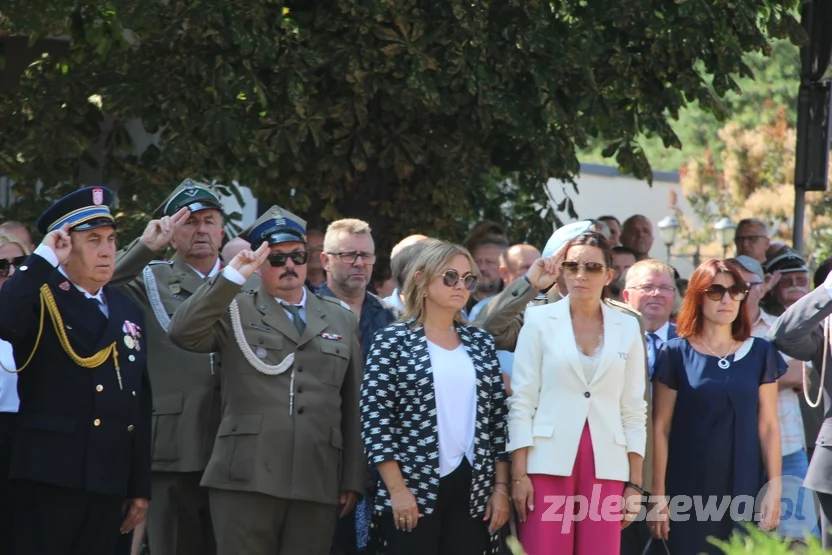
288	453
80	470
186	400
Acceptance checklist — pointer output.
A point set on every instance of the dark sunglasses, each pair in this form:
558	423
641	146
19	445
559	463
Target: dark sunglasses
717	292
7	263
571	267
278	259
451	277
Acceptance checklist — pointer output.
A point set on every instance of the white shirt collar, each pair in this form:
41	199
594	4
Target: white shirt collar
301	304
764	318
214	271
98	296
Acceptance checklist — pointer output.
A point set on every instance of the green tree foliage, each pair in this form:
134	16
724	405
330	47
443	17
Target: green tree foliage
759	101
400	112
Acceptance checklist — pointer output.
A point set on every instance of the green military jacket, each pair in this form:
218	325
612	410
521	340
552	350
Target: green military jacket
290	403
186	396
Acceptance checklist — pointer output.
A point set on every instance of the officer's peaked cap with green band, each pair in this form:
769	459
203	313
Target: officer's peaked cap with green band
84	209
275	226
196	196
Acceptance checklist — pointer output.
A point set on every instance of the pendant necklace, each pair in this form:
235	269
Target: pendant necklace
723	361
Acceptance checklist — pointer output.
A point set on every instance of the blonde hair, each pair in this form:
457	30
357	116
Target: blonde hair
7	239
431	262
352	226
648	266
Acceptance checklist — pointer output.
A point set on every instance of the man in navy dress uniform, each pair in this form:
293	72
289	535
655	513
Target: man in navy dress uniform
80	470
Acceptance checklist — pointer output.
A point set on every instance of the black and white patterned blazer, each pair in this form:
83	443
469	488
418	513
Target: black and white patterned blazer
398	413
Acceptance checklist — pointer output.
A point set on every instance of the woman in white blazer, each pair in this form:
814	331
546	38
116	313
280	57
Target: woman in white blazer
577	415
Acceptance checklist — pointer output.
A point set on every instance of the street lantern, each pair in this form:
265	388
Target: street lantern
667	231
725	230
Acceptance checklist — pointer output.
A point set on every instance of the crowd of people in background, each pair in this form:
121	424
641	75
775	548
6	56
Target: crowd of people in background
313	395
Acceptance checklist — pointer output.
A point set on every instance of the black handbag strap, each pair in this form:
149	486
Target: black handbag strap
650	541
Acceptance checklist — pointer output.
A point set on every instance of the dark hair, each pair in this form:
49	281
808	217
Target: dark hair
624	250
613	218
591	239
490	240
690	320
381	273
682	286
822	271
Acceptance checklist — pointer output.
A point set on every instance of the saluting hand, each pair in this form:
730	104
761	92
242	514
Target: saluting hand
60	242
248	261
158	233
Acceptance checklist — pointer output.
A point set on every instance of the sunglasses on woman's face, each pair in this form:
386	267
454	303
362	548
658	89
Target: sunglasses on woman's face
571	268
717	292
451	277
7	263
278	259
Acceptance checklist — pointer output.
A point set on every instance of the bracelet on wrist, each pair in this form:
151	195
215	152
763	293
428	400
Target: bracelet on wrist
636	487
503	493
519	478
501	484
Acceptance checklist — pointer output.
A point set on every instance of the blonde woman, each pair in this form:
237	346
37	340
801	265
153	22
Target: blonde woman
12	255
433	417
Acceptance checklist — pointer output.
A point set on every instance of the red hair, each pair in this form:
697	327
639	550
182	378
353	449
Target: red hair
690	320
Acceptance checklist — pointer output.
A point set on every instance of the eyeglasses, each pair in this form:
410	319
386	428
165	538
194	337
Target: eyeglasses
648	289
7	263
572	268
352	257
278	259
750	238
717	292
452	277
800	280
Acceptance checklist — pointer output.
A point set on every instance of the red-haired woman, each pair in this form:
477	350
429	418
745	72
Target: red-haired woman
716	434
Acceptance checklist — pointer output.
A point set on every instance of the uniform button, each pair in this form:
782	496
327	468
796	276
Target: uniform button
586	394
261	342
23	268
337	351
130	428
134	394
300	410
99	388
301	347
96	422
233	428
300	368
131	358
300	389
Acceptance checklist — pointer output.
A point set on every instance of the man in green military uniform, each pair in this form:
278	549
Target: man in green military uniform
288	453
186	402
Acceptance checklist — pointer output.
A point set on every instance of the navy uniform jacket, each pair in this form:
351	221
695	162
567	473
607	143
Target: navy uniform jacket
77	428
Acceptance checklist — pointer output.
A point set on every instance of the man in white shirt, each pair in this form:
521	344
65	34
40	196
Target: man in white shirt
793	523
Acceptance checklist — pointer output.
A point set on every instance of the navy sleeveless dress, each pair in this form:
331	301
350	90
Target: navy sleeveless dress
714	447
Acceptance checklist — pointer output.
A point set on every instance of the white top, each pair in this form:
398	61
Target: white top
589	364
455	386
9	401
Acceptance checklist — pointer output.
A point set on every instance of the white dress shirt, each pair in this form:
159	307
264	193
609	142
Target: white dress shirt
9	402
214	271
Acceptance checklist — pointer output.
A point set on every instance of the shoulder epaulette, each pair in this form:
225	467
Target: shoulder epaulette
618	305
154	262
334	300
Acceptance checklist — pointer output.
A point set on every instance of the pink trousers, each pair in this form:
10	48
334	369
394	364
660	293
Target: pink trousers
574	515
